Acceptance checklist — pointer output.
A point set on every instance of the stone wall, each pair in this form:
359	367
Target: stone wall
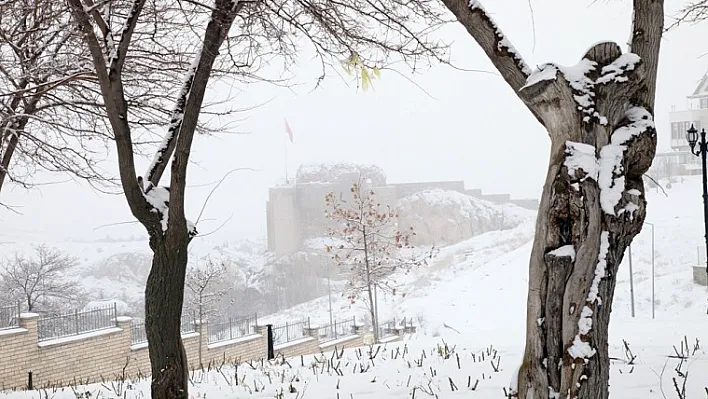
107	354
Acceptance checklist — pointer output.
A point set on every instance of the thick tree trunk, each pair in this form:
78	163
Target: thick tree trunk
592	206
164	296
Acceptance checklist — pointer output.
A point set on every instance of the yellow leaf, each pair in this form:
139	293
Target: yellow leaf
377	72
365	79
346	69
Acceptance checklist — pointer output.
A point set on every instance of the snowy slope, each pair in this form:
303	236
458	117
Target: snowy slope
473	296
458	287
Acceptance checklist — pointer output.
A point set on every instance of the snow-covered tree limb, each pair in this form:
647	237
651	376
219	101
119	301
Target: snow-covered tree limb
480	25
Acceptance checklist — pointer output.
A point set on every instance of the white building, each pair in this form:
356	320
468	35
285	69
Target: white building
680	161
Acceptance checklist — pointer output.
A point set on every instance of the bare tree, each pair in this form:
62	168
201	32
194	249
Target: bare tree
694	11
41	72
161	35
205	287
368	245
39	281
599	116
51	110
204	291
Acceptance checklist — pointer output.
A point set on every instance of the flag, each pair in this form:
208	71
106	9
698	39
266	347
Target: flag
288	131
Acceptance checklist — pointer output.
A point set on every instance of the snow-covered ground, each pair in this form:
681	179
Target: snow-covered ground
472	296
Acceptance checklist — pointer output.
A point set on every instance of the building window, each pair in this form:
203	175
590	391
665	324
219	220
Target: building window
704	103
678	129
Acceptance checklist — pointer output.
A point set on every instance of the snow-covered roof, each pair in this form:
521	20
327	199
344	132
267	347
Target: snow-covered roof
702	88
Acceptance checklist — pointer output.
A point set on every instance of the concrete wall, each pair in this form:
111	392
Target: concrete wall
699	275
103	355
283	221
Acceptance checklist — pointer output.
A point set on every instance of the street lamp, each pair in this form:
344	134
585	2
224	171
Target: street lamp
692	137
652	268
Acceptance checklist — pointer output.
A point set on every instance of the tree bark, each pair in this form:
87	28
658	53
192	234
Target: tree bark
164	295
592	206
599	116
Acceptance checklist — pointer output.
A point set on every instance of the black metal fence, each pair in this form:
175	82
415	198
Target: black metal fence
69	324
10	316
289	332
139	336
391	328
231	328
342	328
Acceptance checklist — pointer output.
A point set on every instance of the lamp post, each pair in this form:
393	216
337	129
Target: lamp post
692	137
652	268
631	282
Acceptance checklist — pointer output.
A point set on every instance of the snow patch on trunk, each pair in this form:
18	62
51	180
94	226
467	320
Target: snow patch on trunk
564	251
580	156
611	180
159	199
580	348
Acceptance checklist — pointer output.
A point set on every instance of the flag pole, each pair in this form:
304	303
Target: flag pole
285	148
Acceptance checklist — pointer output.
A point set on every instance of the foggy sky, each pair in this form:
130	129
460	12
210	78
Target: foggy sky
468	126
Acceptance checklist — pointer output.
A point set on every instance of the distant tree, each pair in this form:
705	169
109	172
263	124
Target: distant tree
205	290
368	245
40	281
205	287
694	11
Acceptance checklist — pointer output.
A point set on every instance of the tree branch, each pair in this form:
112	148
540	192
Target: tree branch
218	27
647	29
491	39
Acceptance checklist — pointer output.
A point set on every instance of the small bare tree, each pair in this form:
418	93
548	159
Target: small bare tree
39	281
368	245
205	287
205	290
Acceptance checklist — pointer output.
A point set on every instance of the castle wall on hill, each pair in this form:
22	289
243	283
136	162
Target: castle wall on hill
296	212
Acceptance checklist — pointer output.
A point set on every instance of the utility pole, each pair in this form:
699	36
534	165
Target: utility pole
631	281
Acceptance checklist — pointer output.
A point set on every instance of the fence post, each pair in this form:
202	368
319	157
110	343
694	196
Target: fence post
271	351
19	312
287	332
76	320
115	313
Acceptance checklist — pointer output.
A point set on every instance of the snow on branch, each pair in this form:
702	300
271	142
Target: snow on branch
504	46
159	162
584	85
480	25
119	50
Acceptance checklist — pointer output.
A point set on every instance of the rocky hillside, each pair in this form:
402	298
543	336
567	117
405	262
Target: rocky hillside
447	217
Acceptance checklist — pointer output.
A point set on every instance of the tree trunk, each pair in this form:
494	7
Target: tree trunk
369	288
164	296
593	204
